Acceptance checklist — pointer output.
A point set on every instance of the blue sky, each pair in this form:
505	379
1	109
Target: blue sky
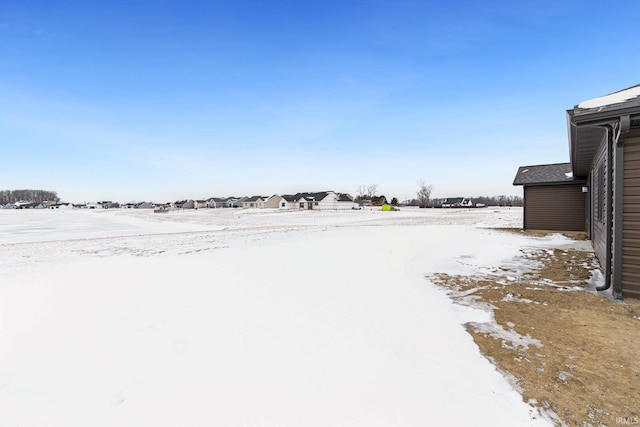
162	100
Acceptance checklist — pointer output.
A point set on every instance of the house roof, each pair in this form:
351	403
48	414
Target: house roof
236	201
559	173
453	200
316	197
305	196
587	124
613	101
291	197
254	199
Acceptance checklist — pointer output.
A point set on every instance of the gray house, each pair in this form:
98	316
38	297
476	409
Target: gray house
184	204
235	202
216	202
604	148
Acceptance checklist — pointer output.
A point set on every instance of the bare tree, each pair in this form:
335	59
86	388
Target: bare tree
367	192
424	193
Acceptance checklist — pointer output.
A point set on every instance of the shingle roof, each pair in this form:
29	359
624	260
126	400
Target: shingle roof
453	200
292	197
559	173
307	196
316	197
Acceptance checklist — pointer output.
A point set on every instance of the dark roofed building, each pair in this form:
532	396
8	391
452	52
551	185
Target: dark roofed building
553	197
604	150
323	200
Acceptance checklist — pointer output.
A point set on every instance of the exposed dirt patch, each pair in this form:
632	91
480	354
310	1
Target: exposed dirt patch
568	350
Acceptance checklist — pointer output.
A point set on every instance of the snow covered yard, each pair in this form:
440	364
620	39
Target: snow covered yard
249	318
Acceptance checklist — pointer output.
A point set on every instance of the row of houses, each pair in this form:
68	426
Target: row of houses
323	200
598	190
59	205
23	205
51	205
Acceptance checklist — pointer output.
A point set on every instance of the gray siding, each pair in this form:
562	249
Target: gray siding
631	216
554	207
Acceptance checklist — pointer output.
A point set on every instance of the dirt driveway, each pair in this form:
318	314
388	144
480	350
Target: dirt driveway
570	351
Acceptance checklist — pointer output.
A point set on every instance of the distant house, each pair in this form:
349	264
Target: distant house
28	205
216	202
457	202
200	204
145	205
61	206
323	200
345	201
273	202
184	204
604	154
106	204
330	200
254	202
293	201
235	202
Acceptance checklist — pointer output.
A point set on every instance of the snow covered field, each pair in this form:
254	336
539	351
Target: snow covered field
249	318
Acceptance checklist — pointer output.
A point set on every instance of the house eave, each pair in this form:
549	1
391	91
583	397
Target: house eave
588	127
552	183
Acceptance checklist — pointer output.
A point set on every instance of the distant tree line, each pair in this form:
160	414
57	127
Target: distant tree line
34	196
423	198
487	201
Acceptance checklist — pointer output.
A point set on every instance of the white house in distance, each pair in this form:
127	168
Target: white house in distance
61	206
324	200
457	202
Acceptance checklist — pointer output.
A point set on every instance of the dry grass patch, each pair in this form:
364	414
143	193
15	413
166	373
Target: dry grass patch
568	350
